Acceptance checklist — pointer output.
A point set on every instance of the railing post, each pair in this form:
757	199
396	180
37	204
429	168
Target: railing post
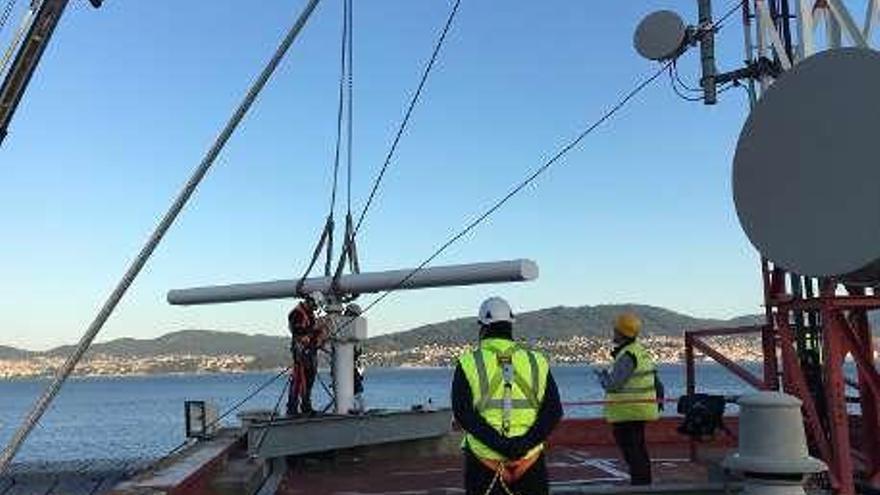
771	363
690	371
690	382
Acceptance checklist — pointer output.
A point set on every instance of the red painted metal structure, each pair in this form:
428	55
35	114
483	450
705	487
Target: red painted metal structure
812	327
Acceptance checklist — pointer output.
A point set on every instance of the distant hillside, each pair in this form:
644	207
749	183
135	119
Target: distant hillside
268	349
203	342
551	324
558	323
12	353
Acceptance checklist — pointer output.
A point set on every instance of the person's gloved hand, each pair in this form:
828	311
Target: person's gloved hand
505	447
517	447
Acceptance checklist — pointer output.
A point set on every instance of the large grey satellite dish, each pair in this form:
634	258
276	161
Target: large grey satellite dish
806	179
660	36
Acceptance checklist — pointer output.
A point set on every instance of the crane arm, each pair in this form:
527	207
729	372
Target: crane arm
19	75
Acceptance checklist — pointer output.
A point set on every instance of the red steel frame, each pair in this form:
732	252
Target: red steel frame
845	331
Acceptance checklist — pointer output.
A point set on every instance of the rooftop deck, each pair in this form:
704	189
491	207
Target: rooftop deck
582	459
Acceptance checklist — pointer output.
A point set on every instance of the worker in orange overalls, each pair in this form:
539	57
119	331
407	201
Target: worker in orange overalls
308	334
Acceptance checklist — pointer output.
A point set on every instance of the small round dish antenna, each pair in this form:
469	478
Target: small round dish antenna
806	179
660	36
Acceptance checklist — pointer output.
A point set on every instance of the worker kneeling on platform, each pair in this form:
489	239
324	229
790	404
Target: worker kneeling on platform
632	390
505	399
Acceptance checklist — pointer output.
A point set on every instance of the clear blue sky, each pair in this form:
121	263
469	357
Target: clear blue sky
128	98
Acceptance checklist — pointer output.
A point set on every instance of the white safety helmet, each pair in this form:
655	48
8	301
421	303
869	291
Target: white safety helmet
493	310
317	298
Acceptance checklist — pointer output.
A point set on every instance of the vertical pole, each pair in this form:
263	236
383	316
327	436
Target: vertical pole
345	337
690	369
749	51
690	382
805	24
870	403
768	335
834	33
796	385
762	43
785	26
840	462
328	262
771	370
343	376
707	52
870	18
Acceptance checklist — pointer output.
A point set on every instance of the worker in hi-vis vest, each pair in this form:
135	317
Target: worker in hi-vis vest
506	401
632	390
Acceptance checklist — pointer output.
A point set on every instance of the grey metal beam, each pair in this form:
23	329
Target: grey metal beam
360	283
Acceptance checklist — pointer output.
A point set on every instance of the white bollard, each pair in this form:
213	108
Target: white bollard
772	453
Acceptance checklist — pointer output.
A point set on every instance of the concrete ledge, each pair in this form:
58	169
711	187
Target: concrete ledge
188	472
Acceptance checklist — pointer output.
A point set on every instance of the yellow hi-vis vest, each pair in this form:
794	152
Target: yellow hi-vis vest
508	400
637	399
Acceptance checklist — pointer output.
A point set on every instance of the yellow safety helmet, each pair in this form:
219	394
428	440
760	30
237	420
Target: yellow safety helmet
628	325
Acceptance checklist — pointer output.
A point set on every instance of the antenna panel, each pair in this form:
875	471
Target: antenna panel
660	36
806	181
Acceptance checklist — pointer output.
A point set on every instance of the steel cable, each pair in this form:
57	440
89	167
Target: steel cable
343	69
154	464
350	118
407	115
528	180
7	12
274	415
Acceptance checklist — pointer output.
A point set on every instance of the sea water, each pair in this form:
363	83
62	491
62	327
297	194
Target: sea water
141	417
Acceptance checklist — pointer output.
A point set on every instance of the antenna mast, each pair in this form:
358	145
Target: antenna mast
805	156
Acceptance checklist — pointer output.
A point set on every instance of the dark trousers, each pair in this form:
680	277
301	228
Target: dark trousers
630	437
302	379
477	478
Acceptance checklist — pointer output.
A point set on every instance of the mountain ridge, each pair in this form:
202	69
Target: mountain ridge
557	323
567	334
554	323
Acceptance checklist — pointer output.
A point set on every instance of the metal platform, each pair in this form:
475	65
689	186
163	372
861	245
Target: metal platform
288	437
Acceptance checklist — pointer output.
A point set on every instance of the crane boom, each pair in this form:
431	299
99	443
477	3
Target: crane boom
19	75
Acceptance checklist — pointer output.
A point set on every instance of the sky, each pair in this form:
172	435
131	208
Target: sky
128	98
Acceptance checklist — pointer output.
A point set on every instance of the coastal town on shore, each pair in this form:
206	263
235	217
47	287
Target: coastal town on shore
572	351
